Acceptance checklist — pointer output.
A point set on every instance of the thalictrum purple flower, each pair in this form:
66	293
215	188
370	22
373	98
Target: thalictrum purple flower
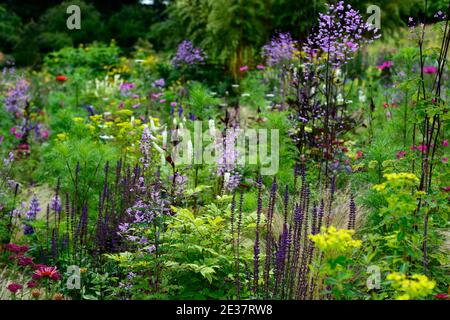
279	51
341	32
16	97
160	83
188	55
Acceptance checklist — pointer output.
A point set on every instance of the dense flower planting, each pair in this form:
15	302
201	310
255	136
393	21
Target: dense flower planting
289	171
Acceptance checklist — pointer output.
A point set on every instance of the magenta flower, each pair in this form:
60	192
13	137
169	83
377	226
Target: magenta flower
430	69
14	248
422	147
444	160
260	67
14	287
47	272
156	96
385	65
25	261
44	134
445	143
243	68
401	154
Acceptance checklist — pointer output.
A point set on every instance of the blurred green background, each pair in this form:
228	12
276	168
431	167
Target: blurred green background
30	29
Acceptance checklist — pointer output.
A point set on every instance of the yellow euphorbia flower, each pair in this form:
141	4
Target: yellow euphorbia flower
401	176
332	240
61	136
410	288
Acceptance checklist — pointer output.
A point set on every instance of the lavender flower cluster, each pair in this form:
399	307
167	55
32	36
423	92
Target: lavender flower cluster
188	55
16	97
227	161
341	32
280	50
31	215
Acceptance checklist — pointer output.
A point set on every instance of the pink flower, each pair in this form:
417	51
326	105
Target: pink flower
260	67
49	272
422	147
173	104
44	134
243	68
401	154
162	101
385	65
359	154
441	296
31	284
156	96
430	69
444	160
445	143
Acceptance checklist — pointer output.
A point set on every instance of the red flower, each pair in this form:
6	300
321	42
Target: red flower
14	287
441	296
61	78
49	272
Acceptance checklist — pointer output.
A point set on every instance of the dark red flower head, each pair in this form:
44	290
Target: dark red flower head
14	287
15	248
25	261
